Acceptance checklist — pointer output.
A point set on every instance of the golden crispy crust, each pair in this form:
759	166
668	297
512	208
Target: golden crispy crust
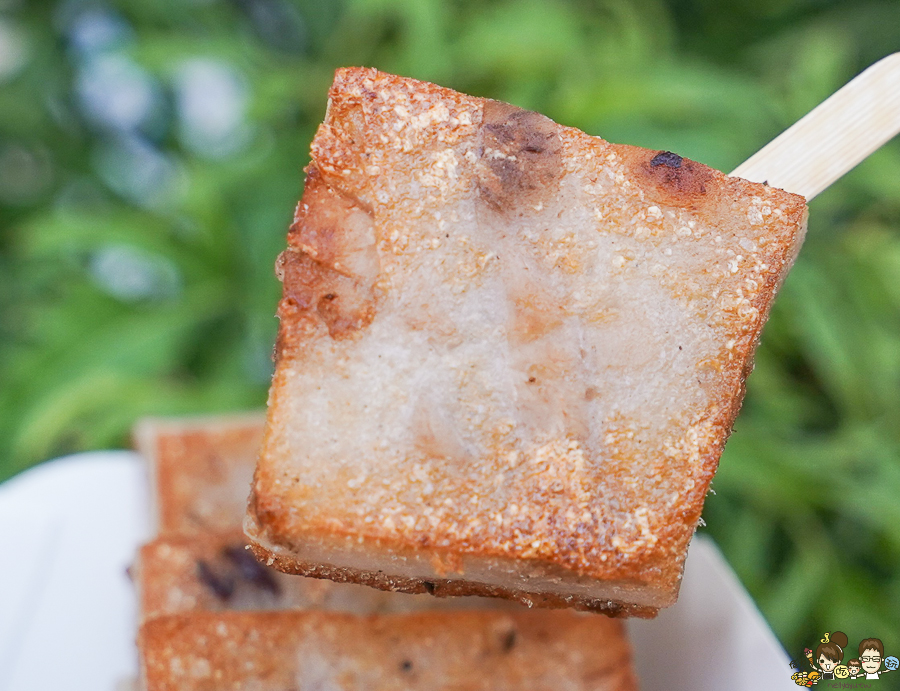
638	249
309	650
448	588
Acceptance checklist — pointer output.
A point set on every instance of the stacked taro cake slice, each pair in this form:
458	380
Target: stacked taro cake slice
213	618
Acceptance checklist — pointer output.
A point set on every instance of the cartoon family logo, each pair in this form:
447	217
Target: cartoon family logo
828	662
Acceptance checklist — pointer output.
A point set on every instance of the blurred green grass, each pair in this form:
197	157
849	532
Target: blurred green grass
136	260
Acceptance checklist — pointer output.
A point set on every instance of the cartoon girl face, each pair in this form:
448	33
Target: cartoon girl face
826	664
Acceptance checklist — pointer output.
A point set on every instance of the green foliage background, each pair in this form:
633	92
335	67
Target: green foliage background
131	286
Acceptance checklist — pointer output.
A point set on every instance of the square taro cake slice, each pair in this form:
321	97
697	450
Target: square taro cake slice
510	353
438	651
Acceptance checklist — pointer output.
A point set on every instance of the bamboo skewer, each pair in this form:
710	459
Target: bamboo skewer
834	137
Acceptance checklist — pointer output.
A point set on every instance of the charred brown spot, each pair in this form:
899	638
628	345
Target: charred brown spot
406	666
666	158
676	181
250	570
520	157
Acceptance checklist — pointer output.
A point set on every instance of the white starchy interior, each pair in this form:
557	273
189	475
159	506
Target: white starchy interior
479	306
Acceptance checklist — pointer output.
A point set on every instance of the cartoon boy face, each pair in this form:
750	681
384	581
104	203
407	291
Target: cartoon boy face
827	665
870	659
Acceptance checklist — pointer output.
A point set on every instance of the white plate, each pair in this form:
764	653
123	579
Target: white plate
70	528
